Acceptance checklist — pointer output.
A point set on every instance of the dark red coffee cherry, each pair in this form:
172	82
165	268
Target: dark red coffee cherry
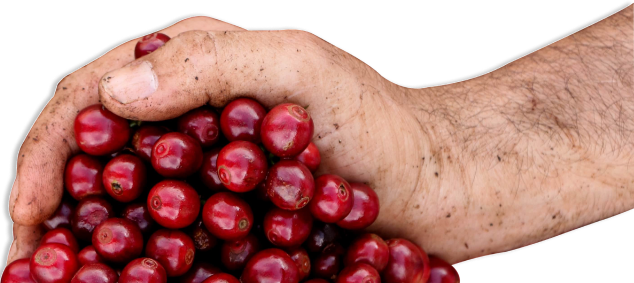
173	249
53	263
124	177
99	131
143	270
309	157
82	177
173	204
118	240
365	208
359	273
95	273
203	239
368	248
209	170
241	166
202	124
441	271
271	266
17	272
61	236
333	198
227	216
89	213
327	264
241	120
287	130
199	272
286	228
222	278
61	217
235	254
406	263
321	236
144	139
290	185
149	44
140	215
317	280
302	261
89	255
176	155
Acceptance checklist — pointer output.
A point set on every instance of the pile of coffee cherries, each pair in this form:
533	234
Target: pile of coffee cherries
213	198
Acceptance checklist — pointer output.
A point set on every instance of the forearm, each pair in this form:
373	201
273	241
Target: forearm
534	149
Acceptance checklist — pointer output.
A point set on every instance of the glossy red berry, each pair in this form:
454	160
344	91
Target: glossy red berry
287	130
202	124
176	155
302	261
149	44
241	166
61	236
286	228
321	236
89	255
222	278
203	239
118	240
143	270
144	139
17	272
271	266
441	271
124	177
359	273
99	131
173	204
333	198
95	273
309	157
53	263
242	120
365	208
368	248
173	249
140	215
290	185
199	272
327	264
235	254
227	216
89	213
209	170
61	217
82	177
406	263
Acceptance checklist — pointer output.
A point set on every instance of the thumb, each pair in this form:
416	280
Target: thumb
197	68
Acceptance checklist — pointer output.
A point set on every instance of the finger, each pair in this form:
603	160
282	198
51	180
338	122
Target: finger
38	186
25	240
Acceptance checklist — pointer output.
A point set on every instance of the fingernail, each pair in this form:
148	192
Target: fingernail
131	83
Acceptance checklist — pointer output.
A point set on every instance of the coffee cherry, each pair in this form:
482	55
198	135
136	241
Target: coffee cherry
199	272
95	273
241	166
227	216
143	270
317	280
333	198
173	249
287	130
365	208
370	249
124	177
271	266
61	236
89	213
99	131
221	278
140	215
209	171
290	185
149	44
118	240
286	228
144	139
321	236
235	254
302	261
17	272
53	263
242	119
89	255
203	239
61	217
406	263
82	177
202	124
309	157
441	271
173	204
176	155
328	263
359	272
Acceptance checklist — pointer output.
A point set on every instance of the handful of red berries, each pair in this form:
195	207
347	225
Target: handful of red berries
234	190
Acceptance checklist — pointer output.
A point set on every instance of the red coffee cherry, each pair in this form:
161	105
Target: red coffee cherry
221	278
406	263
287	130
143	270
203	239
359	272
327	264
82	177
176	155
368	248
17	272
61	236
89	213
118	240
53	263
173	249
95	273
271	266
89	255
241	166
149	44
302	261
124	177
140	215
199	272
99	131
309	157
333	198
365	208
286	228
202	124
235	254
321	236
290	185
173	204
61	217
209	170
144	139
441	271
242	120
227	216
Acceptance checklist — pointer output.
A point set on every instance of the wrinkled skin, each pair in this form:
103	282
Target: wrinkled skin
524	153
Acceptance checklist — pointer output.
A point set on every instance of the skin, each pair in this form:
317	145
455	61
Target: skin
532	150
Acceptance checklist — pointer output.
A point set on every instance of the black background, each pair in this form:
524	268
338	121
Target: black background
416	46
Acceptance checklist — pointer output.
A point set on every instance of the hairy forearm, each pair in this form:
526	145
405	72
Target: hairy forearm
534	149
